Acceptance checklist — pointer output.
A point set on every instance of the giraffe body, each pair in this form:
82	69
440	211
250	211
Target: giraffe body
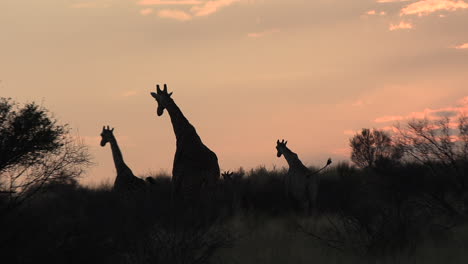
195	165
301	186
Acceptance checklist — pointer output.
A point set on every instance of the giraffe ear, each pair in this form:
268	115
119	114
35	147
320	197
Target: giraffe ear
170	94
112	130
154	94
286	142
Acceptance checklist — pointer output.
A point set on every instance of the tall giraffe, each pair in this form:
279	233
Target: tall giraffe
125	180
195	165
301	185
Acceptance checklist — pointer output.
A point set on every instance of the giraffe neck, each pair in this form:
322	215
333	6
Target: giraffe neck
292	159
180	124
118	158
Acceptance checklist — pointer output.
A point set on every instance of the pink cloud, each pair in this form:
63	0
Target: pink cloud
391	1
385	119
462	46
146	11
430	114
358	103
211	7
390	129
198	7
169	2
401	25
174	14
262	33
426	7
463	101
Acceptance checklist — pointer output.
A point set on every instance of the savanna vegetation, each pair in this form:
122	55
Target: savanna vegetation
403	200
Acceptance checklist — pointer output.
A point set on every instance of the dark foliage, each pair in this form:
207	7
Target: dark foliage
372	146
396	199
34	150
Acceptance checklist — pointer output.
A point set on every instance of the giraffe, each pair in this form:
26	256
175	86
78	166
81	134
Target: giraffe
195	166
301	185
125	180
232	189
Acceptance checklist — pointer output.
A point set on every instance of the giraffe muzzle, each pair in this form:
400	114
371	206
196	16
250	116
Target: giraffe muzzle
160	111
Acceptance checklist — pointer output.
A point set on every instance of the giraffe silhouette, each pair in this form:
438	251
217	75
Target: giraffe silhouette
301	185
125	180
195	165
232	190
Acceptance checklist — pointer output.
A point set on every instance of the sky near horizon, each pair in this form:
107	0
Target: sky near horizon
244	72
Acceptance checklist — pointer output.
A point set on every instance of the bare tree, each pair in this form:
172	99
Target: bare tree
35	150
441	146
373	145
437	142
463	136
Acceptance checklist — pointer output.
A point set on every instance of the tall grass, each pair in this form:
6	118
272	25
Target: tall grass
395	214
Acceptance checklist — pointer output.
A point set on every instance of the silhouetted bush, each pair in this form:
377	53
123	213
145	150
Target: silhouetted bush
34	150
391	206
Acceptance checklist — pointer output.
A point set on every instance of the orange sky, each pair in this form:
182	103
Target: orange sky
244	72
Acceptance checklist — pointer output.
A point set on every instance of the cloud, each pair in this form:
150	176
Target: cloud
146	11
401	25
385	119
431	114
169	2
373	12
211	7
462	46
174	14
463	101
198	8
262	33
426	7
358	103
391	1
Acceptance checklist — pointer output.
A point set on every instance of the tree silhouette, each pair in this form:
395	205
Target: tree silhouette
35	150
441	143
371	146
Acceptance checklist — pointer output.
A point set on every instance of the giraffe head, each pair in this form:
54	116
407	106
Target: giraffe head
107	135
280	147
227	175
163	98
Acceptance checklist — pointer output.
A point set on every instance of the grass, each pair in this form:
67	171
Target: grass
362	217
